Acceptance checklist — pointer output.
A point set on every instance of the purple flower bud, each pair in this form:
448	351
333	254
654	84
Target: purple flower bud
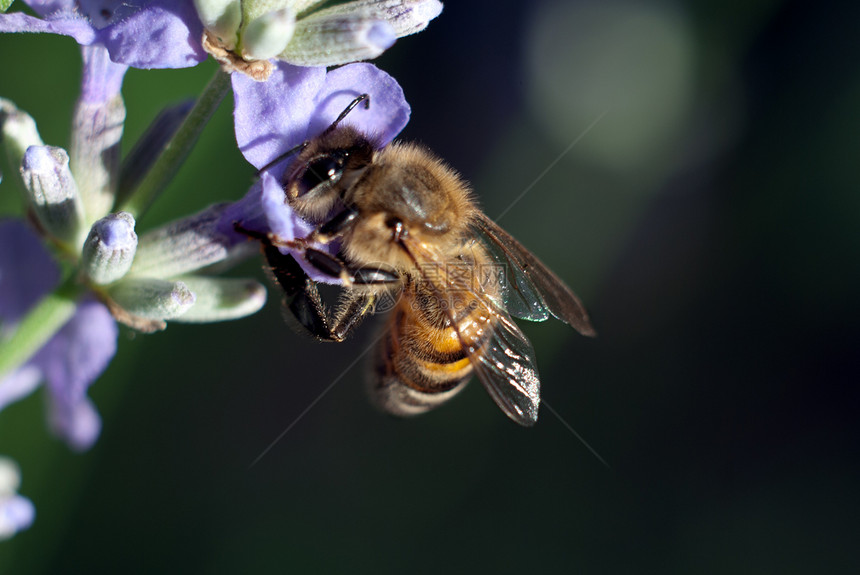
109	249
53	192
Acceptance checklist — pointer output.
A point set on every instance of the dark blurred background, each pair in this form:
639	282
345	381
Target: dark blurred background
689	168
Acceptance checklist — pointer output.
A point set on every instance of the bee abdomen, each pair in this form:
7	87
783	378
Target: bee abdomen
416	367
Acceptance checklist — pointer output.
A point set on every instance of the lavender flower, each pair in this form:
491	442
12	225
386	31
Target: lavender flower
296	104
241	34
137	33
59	325
63	332
161	287
244	34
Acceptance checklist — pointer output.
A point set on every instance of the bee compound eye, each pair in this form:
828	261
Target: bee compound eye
323	170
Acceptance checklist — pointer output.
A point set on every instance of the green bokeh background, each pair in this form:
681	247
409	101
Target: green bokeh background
709	220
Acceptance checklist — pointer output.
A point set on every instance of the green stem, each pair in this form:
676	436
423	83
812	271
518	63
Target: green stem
39	326
178	148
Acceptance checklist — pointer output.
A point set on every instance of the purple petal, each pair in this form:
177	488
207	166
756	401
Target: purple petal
293	105
27	271
16	514
139	33
246	213
73	25
45	7
101	79
264	210
78	424
386	115
163	34
99	12
71	361
286	225
299	103
272	117
282	221
102	13
19	384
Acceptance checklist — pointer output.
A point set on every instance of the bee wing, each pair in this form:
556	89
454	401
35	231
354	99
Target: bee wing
500	353
530	289
505	365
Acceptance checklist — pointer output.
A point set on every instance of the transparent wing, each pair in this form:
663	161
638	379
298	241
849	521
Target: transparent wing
505	365
530	290
501	355
520	296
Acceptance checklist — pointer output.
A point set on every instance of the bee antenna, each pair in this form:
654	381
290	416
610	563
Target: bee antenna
362	98
283	156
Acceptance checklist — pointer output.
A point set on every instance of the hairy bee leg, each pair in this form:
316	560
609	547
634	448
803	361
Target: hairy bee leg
335	226
327	264
268	239
354	308
323	261
336	268
307	312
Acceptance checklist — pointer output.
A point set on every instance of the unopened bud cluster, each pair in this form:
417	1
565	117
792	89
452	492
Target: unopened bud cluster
244	34
143	280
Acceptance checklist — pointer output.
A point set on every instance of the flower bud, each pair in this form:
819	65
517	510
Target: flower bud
184	245
151	298
405	16
10	477
53	193
110	247
95	152
17	131
220	299
222	18
326	39
267	36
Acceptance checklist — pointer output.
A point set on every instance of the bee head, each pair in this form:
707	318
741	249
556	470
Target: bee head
324	170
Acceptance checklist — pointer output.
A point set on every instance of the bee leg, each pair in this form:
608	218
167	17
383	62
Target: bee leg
307	312
370	275
360	302
240	229
354	307
328	264
336	225
336	268
333	228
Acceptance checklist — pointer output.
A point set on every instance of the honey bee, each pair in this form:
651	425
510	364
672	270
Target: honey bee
407	225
